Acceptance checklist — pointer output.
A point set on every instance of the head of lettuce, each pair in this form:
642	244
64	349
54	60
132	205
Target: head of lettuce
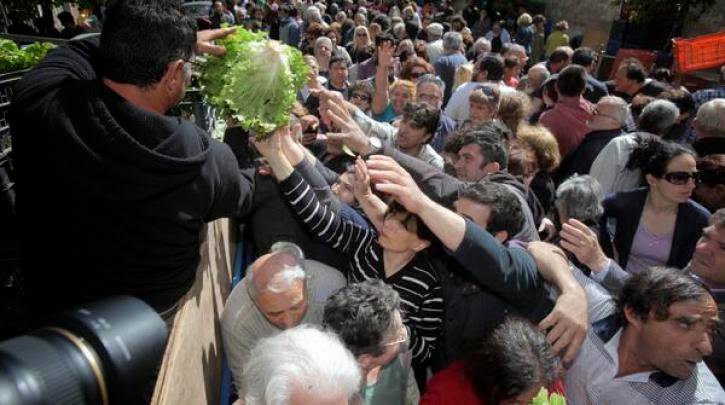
255	82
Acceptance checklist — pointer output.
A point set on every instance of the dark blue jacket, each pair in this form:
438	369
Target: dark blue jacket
625	208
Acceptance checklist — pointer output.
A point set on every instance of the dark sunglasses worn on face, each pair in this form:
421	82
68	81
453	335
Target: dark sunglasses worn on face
681	178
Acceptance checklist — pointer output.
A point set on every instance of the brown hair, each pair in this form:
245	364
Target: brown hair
543	143
406	72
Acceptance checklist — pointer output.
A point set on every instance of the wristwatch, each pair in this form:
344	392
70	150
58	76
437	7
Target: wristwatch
374	143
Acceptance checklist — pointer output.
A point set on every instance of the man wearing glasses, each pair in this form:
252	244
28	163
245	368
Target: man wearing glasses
367	318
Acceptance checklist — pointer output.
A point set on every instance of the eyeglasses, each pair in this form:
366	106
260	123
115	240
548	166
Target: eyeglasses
401	338
361	97
362	34
416	75
681	178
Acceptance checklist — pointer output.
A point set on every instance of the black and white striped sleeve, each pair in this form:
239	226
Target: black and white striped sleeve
422	301
329	228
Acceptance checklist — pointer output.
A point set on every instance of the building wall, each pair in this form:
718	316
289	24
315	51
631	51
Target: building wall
593	18
712	20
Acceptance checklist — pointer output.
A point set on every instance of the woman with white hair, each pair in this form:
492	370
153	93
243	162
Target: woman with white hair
323	52
480	47
302	365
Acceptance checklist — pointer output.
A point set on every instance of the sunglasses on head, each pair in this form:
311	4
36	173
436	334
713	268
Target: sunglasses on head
681	178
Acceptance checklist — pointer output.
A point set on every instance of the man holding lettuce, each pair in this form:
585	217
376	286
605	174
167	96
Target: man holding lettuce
113	194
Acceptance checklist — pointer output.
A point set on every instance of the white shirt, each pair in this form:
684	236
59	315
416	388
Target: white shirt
458	106
610	166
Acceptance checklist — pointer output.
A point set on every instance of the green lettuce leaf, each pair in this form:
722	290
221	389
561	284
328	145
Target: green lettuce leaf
543	398
255	82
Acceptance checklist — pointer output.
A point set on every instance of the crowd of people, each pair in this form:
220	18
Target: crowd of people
459	212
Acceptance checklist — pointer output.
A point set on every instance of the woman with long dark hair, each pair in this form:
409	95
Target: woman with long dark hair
657	225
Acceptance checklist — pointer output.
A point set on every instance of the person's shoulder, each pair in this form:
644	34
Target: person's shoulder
238	309
323	279
701	213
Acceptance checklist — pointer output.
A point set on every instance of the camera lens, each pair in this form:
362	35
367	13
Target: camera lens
100	353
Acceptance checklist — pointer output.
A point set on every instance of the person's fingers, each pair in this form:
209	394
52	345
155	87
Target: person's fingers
395	190
208	35
571	247
336	136
337	120
563	341
581	226
556	332
382	162
547	322
386	175
339	109
573	347
203	37
574	231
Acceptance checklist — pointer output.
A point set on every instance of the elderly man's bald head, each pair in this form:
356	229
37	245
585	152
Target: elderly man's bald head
269	270
277	284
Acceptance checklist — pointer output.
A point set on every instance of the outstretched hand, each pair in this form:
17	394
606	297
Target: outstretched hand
361	180
204	40
390	178
386	55
349	132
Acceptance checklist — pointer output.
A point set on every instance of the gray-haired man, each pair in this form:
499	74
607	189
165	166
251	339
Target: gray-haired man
280	290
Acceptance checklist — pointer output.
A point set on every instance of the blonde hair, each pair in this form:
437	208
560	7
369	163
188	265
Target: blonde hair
410	86
524	20
464	73
543	143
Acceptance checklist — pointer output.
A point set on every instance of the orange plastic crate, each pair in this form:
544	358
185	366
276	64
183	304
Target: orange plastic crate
703	52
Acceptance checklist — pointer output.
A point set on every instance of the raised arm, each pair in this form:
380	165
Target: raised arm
385	63
507	271
340	234
435	183
370	203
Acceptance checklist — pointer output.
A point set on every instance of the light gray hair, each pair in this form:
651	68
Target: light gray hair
324	41
452	41
482	45
658	116
399	30
580	197
616	107
302	358
431	78
711	118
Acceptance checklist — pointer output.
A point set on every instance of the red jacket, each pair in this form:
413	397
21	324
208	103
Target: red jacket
451	387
